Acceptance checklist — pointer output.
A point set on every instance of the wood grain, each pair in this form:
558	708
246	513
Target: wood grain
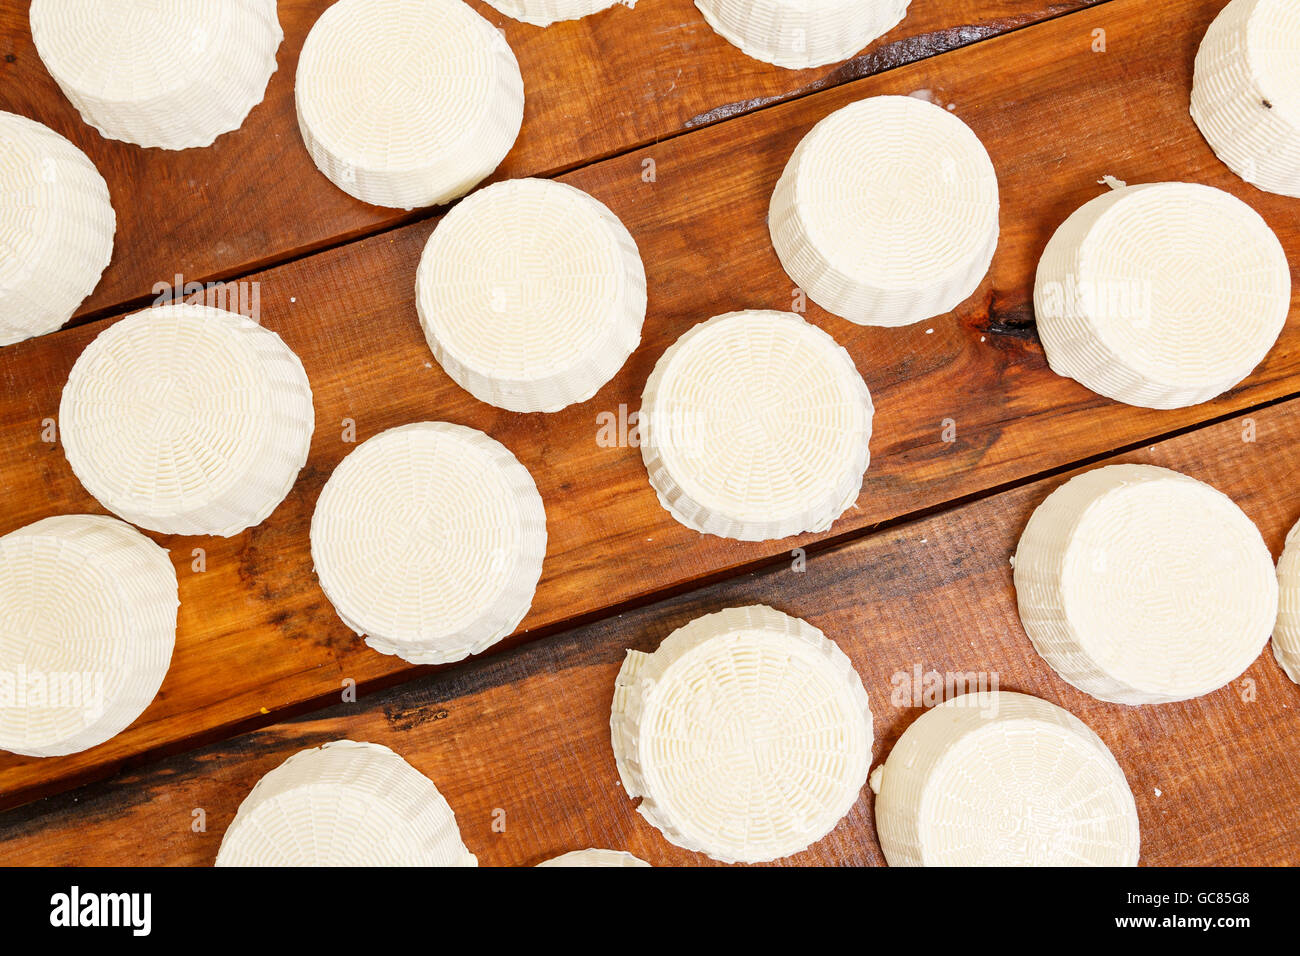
257	639
595	87
527	732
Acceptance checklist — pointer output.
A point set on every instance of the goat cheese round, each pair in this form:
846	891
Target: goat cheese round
187	419
1246	92
1286	634
1162	295
168	73
407	103
428	540
57	223
594	858
1139	585
887	212
1003	779
802	33
87	626
344	804
531	294
746	734
755	426
543	13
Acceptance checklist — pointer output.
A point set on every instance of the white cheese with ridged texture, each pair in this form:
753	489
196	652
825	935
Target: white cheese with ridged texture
428	539
1286	634
407	103
531	294
1161	295
344	804
543	13
1003	779
594	858
755	426
746	734
802	33
1246	92
56	228
187	419
1140	585
174	74
87	626
887	212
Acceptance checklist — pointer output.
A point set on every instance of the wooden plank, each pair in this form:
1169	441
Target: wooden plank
527	732
595	87
256	636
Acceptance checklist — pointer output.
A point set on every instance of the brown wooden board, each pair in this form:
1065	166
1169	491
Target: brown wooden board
595	87
526	733
256	636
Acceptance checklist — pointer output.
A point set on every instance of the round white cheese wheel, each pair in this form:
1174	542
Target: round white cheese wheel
531	294
1246	92
87	626
594	858
407	103
1161	295
543	13
168	73
755	426
1002	779
428	539
56	226
186	419
1141	586
746	734
802	33
887	212
1286	634
344	804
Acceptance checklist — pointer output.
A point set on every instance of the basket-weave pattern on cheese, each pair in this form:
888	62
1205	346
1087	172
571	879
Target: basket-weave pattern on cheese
755	426
187	419
344	804
1161	295
746	734
802	33
428	540
1286	635
407	103
543	13
87	625
887	212
594	858
1003	779
531	294
174	74
1142	586
1246	93
57	225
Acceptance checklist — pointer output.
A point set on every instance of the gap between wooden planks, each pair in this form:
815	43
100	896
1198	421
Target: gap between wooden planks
595	87
527	732
257	638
